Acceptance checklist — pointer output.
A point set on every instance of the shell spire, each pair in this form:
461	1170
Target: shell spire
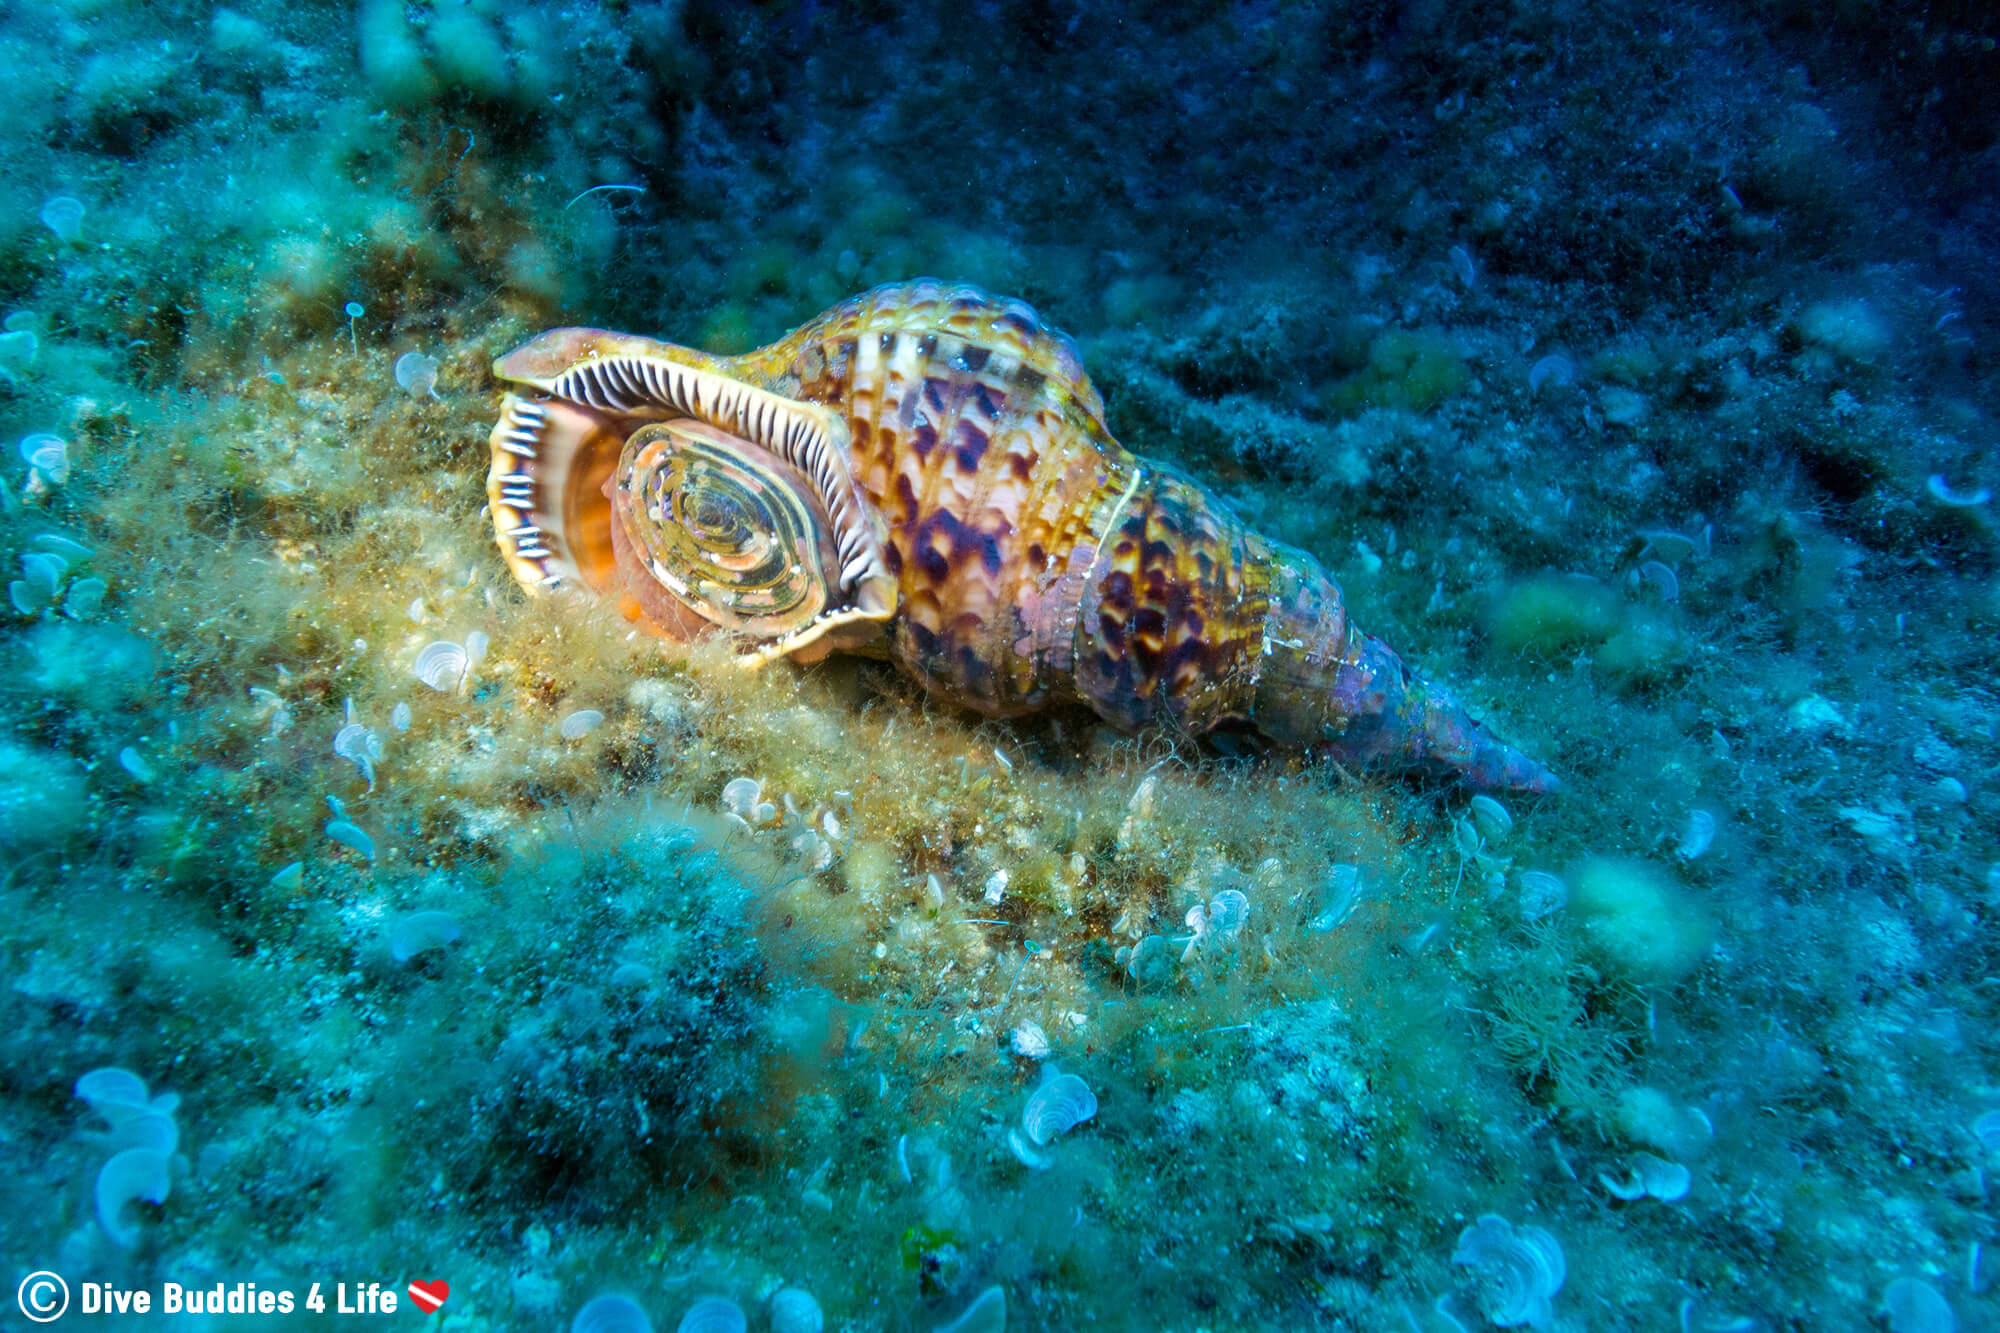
925	473
1393	718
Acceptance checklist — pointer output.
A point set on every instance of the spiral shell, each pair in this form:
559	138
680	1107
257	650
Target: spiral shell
925	473
732	532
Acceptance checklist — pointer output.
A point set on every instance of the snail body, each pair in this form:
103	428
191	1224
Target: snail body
924	472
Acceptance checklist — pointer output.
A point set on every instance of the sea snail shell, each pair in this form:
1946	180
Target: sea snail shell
924	473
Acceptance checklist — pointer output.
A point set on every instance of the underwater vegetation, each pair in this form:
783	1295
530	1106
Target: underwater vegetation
369	915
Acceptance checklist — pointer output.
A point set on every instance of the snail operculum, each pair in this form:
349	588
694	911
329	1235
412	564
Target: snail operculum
728	505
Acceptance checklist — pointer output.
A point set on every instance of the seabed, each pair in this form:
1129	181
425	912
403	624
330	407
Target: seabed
370	921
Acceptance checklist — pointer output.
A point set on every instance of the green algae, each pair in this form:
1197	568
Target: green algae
1554	616
1412	370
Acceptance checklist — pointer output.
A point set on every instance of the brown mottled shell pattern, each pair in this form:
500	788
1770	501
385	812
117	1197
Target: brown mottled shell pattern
981	442
1034	560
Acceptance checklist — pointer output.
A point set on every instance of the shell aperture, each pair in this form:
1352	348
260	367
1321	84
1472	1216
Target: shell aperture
735	534
564	450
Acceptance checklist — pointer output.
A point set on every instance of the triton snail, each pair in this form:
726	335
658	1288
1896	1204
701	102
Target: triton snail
924	473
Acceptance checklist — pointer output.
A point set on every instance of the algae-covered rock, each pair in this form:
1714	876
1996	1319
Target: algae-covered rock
467	53
1851	330
1643	654
99	665
41	798
870	870
392	60
1637	919
1553	616
1650	1116
1411	369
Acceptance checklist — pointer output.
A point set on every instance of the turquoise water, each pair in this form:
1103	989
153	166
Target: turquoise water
378	932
